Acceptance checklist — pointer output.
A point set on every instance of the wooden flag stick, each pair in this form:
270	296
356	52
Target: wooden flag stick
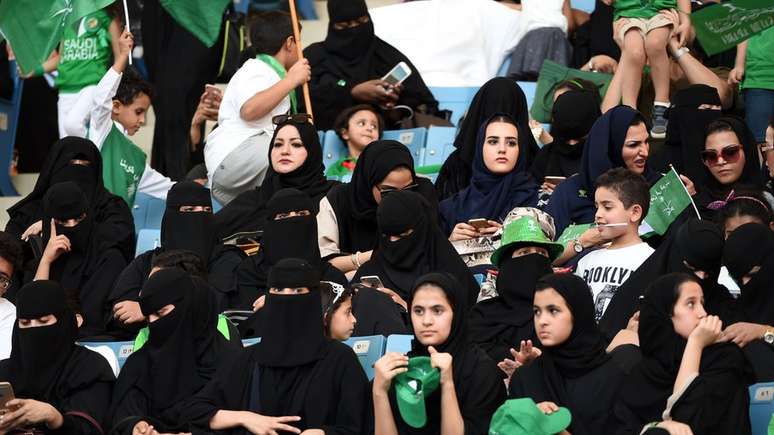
297	36
126	17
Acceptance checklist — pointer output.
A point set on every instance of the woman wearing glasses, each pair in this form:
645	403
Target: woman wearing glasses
731	162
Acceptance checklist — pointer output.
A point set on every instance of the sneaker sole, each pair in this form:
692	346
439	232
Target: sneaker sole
656	135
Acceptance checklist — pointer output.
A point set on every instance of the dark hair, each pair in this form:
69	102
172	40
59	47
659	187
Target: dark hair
577	84
132	85
268	32
342	121
502	118
631	188
718	126
638	119
330	308
751	203
184	260
681	278
11	250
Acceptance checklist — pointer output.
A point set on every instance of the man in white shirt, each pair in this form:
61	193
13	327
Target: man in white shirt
237	150
10	258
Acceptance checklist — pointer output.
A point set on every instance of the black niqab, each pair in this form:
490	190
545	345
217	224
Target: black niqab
191	231
748	246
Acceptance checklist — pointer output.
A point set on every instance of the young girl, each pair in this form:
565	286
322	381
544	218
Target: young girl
338	320
744	208
357	127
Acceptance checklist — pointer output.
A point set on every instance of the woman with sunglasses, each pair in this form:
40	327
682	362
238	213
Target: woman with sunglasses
500	181
346	223
731	160
295	157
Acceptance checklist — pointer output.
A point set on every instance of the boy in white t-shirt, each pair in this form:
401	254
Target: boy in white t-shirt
622	199
237	150
10	257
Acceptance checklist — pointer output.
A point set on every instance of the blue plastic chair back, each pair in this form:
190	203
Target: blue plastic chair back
120	349
503	71
529	89
400	343
9	120
584	5
761	407
147	239
440	143
413	138
147	211
333	148
455	99
368	350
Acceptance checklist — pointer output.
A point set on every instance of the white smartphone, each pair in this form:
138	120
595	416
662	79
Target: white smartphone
398	74
6	394
372	281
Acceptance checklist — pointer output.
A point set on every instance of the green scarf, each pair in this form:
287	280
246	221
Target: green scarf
280	70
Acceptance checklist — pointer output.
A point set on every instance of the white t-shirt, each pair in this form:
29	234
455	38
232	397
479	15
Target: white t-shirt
605	270
253	77
7	319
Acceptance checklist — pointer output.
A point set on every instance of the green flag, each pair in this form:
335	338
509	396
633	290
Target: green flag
723	26
34	27
668	198
123	164
203	18
572	232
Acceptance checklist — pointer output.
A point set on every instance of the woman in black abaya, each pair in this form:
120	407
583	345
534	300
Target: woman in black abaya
61	387
293	378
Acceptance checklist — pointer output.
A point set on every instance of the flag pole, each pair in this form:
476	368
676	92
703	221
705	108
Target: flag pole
126	18
297	36
672	168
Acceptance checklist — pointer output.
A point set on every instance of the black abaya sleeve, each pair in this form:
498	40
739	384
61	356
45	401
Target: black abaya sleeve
115	226
94	401
222	275
715	403
482	392
127	288
94	292
353	398
329	95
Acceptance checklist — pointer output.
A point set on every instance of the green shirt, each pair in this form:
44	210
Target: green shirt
759	64
641	8
84	53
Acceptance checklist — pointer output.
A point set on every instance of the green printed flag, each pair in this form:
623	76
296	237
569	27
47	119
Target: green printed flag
723	26
34	27
123	164
572	232
668	198
203	18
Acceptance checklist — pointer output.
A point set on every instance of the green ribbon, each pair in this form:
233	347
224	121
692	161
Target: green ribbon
280	70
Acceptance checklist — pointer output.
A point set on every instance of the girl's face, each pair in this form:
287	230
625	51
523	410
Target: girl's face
398	179
689	309
553	318
342	321
431	316
734	222
728	159
501	147
636	148
287	151
362	129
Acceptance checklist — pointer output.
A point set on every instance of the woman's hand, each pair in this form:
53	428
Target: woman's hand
742	333
592	237
128	312
548	407
509	366
689	186
33	230
386	368
527	352
27	412
443	362
143	428
675	427
463	231
601	63
56	246
394	296
634	322
376	92
264	425
707	331
258	304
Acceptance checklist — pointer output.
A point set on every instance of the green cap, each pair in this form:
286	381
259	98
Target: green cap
523	417
412	387
525	231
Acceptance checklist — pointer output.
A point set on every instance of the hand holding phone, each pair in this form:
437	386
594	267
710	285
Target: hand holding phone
6	394
398	74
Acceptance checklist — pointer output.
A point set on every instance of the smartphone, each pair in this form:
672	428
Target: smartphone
479	224
555	180
397	74
6	394
213	91
372	281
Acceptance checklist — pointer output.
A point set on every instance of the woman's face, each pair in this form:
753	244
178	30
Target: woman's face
287	151
343	321
431	316
289	291
689	309
501	147
728	168
362	129
398	179
36	323
553	318
734	222
163	311
636	148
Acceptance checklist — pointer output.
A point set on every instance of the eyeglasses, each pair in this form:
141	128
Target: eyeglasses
730	154
297	117
388	189
5	282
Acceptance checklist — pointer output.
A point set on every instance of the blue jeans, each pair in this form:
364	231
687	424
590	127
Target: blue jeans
759	109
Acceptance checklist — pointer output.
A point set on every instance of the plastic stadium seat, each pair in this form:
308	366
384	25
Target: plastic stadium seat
9	119
455	99
247	342
147	239
439	144
584	5
529	89
147	211
413	138
115	352
398	343
503	71
761	407
333	148
368	350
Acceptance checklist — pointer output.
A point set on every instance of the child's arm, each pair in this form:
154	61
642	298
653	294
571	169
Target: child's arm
262	103
684	27
115	31
737	74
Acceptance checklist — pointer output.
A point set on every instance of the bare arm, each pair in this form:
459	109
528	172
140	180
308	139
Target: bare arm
262	103
384	421
345	263
451	416
613	94
706	333
115	30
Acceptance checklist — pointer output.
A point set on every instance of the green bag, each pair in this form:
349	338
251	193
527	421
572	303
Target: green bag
551	74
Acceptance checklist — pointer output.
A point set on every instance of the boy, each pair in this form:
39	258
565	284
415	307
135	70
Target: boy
643	32
622	199
10	260
117	108
236	154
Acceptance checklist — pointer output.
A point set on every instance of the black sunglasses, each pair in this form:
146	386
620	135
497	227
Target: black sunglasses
296	117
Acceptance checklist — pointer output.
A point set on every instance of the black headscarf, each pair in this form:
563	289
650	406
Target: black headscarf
500	323
247	212
573	200
490	195
498	95
687	125
192	231
748	246
573	114
354	203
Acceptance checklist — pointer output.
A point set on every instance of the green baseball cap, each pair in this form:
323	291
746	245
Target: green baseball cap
525	231
412	387
523	417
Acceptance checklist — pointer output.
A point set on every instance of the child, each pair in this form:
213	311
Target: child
622	199
236	154
338	320
356	126
117	108
643	32
753	71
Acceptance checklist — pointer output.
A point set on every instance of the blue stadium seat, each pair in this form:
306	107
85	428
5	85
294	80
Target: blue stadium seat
321	136
455	99
584	5
147	239
413	138
9	119
440	143
529	89
368	350
247	342
398	343
333	148
120	351
503	71
147	211
761	407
